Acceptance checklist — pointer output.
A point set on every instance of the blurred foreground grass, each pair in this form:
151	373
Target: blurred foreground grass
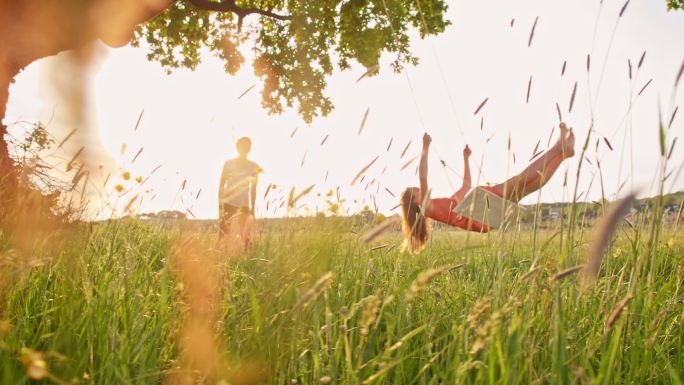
107	307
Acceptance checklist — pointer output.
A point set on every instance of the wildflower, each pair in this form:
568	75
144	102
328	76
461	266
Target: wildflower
119	188
36	367
126	175
139	179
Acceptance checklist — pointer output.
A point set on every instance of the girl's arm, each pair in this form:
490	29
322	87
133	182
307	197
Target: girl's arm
467	179
423	167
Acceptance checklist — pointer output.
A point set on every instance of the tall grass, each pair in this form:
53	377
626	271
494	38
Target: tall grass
107	309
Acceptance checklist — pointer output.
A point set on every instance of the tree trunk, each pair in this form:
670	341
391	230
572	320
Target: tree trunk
34	29
8	177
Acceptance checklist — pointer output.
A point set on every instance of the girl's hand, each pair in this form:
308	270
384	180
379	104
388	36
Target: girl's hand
427	139
467	152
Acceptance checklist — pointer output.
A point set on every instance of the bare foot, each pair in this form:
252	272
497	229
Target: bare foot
566	142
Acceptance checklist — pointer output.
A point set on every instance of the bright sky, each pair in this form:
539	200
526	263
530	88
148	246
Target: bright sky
191	119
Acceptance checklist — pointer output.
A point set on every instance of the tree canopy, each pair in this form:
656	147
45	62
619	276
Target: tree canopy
675	4
296	44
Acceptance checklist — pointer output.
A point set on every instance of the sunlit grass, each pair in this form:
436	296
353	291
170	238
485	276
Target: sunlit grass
310	300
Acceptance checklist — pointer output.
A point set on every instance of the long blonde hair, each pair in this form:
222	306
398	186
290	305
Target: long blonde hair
414	223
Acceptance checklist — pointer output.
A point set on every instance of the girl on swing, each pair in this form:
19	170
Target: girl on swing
514	189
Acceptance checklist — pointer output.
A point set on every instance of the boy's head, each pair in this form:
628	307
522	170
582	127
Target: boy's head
243	146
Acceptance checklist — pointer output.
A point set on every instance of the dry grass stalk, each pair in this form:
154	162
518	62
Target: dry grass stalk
363	121
608	143
480	106
615	314
71	163
644	87
407	337
390	192
292	134
405	166
137	122
66	138
363	170
672	146
622	12
372	70
405	149
553	129
380	229
534	27
325	139
529	89
572	97
530	273
376	248
560	116
565	63
246	91
672	118
567	272
370	313
198	344
629	65
588	62
604	233
389	145
641	60
292	200
127	208
679	74
536	147
137	154
315	291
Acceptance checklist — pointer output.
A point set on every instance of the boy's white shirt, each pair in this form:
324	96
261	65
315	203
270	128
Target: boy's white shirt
237	181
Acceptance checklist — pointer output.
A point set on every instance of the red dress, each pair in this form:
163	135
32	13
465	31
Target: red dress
441	210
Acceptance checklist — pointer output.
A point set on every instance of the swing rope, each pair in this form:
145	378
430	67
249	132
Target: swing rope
415	100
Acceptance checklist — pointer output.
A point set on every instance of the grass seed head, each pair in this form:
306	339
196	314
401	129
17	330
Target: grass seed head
319	287
423	280
567	272
370	313
615	314
604	233
480	308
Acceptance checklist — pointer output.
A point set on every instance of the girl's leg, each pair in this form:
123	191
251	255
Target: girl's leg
540	171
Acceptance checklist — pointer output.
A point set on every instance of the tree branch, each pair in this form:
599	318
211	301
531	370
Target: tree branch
231	6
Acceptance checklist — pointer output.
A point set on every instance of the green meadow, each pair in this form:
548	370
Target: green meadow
311	303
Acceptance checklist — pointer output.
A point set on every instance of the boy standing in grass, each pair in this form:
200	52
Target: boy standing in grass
237	192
